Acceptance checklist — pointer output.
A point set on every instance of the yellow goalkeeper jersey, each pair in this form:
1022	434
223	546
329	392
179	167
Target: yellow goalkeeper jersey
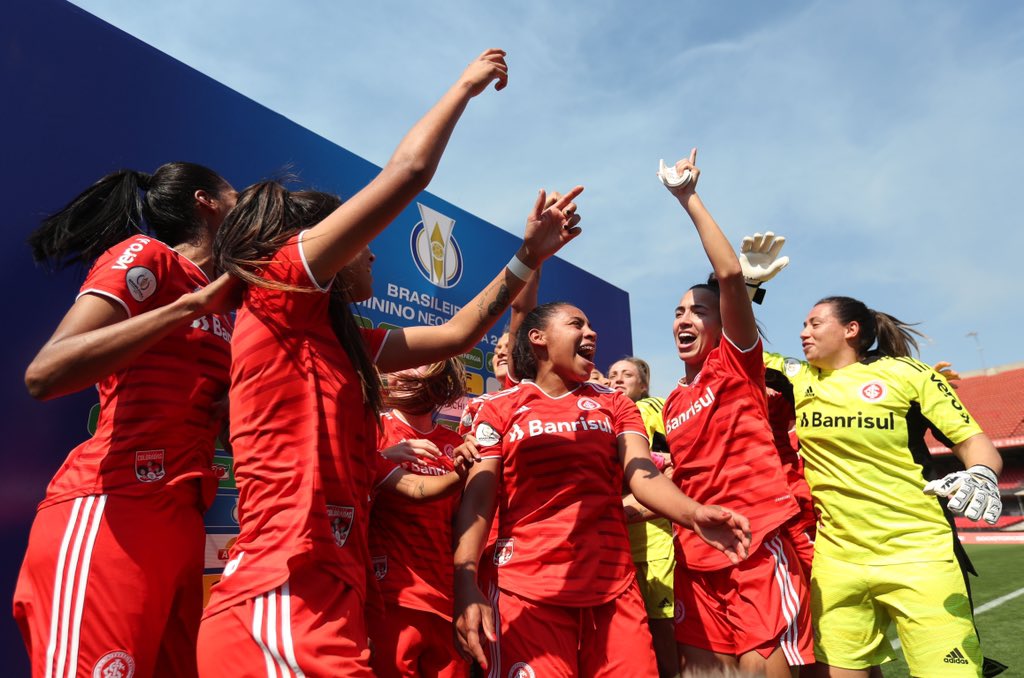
652	539
861	431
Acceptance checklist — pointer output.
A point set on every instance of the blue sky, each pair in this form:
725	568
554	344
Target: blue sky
885	140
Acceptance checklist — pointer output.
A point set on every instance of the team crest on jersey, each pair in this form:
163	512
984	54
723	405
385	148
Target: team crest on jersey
434	250
503	551
341	518
380	567
873	391
790	367
486	435
117	664
521	670
149	466
141	282
587	404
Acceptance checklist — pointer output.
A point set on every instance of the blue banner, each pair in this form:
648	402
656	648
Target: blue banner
82	99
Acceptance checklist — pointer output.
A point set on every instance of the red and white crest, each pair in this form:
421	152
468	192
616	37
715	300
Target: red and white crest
587	404
341	518
380	567
503	551
117	664
521	670
873	391
149	466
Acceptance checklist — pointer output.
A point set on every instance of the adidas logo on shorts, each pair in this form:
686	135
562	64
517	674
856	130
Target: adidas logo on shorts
956	657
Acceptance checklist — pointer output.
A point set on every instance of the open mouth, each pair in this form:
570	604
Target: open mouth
587	351
686	339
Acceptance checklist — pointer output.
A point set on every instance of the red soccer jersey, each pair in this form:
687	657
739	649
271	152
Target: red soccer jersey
155	426
304	442
411	542
782	417
562	531
723	451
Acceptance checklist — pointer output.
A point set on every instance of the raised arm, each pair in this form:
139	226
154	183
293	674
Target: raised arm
547	230
97	338
738	322
332	243
726	531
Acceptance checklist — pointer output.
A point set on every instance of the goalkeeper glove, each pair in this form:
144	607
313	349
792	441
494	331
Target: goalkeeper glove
973	493
760	261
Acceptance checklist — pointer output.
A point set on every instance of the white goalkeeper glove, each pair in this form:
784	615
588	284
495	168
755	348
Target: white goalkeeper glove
973	493
670	177
760	261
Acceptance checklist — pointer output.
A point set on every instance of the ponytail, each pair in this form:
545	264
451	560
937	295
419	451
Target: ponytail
122	204
894	337
97	219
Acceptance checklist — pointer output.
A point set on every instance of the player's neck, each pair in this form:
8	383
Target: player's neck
553	383
199	252
422	423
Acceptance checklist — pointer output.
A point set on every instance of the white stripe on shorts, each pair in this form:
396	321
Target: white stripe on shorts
789	641
277	606
69	585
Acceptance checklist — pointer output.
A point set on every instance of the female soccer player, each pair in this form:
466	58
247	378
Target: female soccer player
568	602
651	539
411	542
884	549
723	452
112	578
305	396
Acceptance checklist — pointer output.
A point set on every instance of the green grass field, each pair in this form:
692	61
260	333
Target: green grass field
1000	572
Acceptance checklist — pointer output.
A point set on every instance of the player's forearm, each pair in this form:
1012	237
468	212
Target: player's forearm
69	364
473	523
635	511
420	488
720	252
416	346
979	450
659	494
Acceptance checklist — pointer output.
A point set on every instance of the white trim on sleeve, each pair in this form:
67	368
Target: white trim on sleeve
305	265
110	295
636	433
757	342
385	478
380	349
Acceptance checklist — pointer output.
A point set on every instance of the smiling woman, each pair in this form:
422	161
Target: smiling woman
559	447
723	452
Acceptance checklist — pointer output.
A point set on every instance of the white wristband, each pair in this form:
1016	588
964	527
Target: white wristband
519	269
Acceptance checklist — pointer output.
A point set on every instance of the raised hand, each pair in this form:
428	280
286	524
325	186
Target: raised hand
759	257
673	177
489	66
466	453
727	531
549	228
411	451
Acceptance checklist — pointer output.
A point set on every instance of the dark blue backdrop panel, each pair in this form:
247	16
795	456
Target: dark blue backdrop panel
81	99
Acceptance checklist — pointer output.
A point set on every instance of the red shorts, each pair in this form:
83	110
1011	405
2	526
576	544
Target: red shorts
312	625
411	643
114	583
611	639
801	530
759	605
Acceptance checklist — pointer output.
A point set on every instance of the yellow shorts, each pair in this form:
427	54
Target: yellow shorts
852	606
654	555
